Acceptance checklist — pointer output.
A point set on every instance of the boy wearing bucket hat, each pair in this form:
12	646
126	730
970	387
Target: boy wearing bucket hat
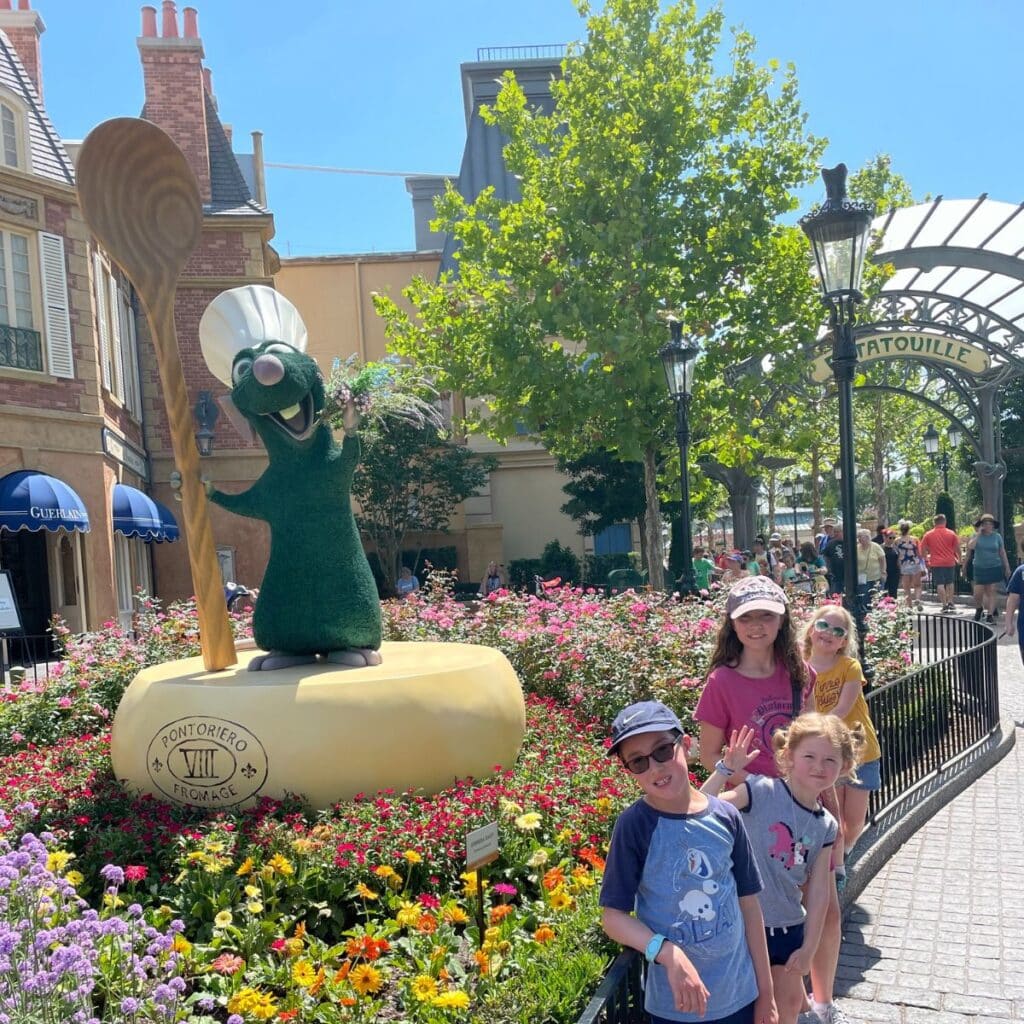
681	884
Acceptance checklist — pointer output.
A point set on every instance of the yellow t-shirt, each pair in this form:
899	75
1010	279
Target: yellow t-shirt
827	688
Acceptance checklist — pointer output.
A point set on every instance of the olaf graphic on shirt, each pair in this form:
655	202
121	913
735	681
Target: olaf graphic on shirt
702	914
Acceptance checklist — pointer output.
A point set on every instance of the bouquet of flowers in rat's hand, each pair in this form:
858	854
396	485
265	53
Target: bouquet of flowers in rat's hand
381	391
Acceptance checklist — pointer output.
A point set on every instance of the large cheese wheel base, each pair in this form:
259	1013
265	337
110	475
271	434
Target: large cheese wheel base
431	713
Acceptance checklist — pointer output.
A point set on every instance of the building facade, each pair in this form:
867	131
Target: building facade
84	441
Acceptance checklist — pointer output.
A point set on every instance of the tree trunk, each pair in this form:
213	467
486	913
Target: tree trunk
815	489
652	523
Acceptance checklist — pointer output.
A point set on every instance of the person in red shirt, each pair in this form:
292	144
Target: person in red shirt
940	547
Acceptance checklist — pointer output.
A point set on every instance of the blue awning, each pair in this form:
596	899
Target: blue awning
138	515
171	530
33	501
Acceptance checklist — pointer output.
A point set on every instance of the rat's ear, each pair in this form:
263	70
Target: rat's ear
238	421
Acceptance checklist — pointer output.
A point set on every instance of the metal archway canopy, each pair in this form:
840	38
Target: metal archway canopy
959	271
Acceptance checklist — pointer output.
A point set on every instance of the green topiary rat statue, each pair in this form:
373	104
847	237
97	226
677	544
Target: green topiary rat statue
318	599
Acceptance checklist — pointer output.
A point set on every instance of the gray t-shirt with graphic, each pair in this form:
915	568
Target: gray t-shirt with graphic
787	839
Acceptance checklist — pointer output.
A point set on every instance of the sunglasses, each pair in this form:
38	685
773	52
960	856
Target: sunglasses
821	626
661	753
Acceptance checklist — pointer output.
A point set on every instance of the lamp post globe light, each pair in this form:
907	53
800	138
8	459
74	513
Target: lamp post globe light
679	357
931	447
838	231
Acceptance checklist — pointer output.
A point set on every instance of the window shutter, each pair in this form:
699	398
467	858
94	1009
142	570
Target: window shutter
56	318
115	340
130	347
101	319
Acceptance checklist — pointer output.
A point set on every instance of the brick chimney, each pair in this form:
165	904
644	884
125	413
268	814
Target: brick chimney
24	27
172	70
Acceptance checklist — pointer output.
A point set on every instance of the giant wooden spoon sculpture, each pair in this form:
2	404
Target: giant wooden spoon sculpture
141	200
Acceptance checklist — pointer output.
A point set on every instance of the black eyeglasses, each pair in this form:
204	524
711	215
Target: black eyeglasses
661	753
821	626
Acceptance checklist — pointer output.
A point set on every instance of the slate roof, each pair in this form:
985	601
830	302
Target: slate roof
229	194
482	160
47	153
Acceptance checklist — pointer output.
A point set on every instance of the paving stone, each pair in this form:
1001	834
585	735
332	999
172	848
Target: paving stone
991	1006
915	1015
862	990
912	997
862	1010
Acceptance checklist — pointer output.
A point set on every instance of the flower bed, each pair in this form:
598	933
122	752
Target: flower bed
363	912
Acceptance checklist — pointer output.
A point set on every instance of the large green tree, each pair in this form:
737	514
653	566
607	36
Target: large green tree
411	480
652	188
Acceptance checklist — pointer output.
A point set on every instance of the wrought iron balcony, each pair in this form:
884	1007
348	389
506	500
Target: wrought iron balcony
21	348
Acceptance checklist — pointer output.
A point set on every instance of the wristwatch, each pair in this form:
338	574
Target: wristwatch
654	948
723	769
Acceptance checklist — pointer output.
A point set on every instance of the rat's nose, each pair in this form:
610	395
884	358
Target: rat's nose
268	369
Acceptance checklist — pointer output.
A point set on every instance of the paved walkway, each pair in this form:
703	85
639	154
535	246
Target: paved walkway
938	935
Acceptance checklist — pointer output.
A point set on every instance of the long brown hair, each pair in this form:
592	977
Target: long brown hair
728	650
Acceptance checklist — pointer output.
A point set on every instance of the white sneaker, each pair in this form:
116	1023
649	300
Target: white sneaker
831	1014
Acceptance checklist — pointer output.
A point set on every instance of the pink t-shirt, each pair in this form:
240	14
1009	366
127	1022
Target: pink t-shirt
731	700
941	546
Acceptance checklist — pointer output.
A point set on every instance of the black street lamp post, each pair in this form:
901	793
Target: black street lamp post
838	231
931	447
679	358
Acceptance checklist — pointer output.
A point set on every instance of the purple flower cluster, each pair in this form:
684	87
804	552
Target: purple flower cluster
59	959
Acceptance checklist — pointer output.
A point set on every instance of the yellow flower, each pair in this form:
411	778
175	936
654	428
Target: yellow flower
564	836
365	978
293	947
58	860
469	883
213	847
213	865
538	858
197	857
409	914
282	865
303	973
223	919
76	878
366	892
111	901
454	914
559	899
510	809
253	1002
254	907
412	856
181	945
424	987
603	803
492	934
302	845
245	868
451	1001
529	821
385	871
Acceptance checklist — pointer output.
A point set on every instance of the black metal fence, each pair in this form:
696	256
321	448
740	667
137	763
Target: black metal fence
620	998
938	712
926	720
28	657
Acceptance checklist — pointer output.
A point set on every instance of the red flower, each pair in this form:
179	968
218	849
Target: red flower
135	872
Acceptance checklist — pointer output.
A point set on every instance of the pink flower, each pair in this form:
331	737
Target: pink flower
228	963
135	872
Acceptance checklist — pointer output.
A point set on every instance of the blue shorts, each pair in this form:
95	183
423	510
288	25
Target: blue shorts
743	1016
869	776
943	574
783	943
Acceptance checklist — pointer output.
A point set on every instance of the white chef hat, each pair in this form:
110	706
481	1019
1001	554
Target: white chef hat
243	317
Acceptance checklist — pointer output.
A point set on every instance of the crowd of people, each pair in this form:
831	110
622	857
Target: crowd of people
892	561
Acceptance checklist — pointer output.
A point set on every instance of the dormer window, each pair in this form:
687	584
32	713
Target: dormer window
9	135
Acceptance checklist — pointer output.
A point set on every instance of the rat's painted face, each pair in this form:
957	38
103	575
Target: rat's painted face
278	388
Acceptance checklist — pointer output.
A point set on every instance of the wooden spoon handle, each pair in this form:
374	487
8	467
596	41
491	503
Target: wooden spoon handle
215	635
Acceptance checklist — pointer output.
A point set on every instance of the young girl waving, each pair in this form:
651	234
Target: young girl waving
790	833
757	676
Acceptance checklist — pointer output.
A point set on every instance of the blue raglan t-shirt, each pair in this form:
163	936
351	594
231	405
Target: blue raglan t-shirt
683	874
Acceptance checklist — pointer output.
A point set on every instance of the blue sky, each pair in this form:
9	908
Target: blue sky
348	83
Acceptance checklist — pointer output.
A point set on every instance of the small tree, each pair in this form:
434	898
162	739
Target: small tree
411	480
944	507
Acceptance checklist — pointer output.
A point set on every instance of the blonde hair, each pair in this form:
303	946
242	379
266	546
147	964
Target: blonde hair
848	741
849	648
